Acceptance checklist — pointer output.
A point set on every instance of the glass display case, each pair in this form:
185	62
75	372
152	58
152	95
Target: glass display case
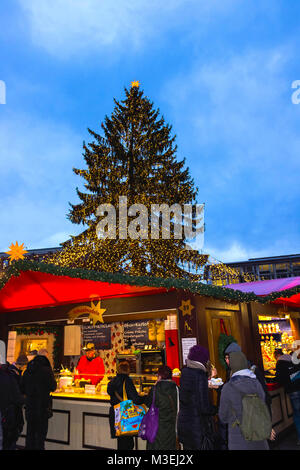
151	360
68	387
134	361
275	333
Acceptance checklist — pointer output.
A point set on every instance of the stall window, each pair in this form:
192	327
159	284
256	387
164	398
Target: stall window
275	332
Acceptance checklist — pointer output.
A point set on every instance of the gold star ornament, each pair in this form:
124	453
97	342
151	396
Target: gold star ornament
135	84
97	314
16	251
186	307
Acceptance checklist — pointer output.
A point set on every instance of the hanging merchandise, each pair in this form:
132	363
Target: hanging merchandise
172	342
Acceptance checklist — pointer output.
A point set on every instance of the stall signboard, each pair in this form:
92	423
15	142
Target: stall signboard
137	332
100	335
187	343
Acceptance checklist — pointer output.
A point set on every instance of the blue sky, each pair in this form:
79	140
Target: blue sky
219	71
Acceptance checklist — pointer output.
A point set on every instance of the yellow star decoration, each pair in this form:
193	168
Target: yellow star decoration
97	314
135	83
186	307
16	251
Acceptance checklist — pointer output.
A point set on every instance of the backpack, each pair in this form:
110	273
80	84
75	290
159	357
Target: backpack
256	422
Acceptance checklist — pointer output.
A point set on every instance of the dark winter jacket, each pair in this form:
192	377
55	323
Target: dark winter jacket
166	400
9	390
115	388
231	409
193	403
36	383
11	401
285	370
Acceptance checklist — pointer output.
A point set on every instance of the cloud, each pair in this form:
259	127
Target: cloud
234	252
68	27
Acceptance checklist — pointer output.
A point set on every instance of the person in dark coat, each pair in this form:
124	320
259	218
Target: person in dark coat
11	400
194	402
37	383
166	400
115	390
288	375
16	369
242	380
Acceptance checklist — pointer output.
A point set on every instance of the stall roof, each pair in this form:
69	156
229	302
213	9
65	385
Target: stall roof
285	291
28	285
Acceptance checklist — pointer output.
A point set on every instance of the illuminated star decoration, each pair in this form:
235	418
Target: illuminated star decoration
97	314
16	251
135	83
186	307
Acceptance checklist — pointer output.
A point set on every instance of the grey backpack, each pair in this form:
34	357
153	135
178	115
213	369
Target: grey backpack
256	424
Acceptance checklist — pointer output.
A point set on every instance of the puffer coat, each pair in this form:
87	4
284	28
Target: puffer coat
166	400
194	403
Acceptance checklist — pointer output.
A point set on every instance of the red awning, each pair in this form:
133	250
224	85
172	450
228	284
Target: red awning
33	289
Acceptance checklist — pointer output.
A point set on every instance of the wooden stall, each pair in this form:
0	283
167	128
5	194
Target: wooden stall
148	321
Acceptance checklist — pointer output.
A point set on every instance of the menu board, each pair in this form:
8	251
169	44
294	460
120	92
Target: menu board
137	332
100	335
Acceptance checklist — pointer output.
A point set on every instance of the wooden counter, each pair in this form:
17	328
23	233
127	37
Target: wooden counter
79	423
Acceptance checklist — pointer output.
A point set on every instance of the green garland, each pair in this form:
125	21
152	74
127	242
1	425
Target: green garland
39	331
218	292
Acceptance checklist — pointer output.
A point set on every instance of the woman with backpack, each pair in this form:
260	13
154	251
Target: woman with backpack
241	395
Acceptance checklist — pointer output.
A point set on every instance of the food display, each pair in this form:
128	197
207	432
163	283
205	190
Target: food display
65	379
83	389
275	333
151	361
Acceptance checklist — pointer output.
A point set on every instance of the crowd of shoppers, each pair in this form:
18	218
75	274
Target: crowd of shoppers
187	418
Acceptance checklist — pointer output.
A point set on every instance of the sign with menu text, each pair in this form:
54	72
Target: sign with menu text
100	335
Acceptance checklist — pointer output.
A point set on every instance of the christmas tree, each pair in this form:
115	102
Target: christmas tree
135	159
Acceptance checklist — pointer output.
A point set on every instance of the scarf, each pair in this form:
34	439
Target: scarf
195	365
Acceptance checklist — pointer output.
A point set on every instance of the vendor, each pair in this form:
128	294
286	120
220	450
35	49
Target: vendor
90	366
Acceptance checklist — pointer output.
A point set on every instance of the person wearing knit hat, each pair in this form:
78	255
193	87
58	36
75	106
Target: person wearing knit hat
242	382
198	354
194	399
237	361
233	347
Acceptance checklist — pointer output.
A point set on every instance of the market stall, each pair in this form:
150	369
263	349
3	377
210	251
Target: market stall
275	325
146	321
